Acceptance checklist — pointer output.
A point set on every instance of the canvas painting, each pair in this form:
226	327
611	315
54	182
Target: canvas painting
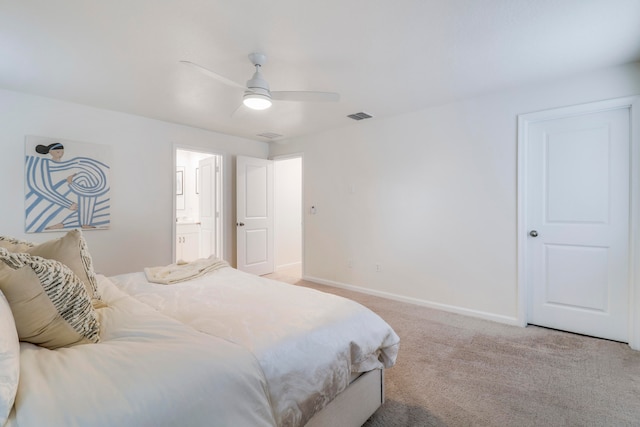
67	185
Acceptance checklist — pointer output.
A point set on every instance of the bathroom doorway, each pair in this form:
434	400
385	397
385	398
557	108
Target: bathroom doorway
198	205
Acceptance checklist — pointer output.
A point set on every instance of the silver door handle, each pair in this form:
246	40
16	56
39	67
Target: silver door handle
533	233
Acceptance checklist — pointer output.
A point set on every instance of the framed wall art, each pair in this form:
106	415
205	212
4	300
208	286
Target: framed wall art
67	185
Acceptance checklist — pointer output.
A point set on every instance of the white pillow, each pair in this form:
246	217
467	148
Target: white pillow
9	360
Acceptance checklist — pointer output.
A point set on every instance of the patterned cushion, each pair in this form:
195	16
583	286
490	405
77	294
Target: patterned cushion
71	250
50	304
9	360
14	245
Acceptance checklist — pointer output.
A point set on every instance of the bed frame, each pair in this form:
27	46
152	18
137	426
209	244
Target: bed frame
355	404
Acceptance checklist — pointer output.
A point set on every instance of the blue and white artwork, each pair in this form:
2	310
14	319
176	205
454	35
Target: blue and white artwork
67	185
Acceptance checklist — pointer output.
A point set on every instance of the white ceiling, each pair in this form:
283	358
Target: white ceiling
384	57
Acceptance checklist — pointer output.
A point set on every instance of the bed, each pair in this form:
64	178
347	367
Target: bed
147	370
223	345
309	344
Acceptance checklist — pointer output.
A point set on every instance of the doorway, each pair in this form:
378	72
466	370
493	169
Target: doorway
288	218
577	215
269	215
198	205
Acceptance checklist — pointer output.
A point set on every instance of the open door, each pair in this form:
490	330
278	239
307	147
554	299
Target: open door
210	189
198	204
578	204
254	222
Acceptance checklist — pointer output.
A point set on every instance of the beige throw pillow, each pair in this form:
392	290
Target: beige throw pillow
15	245
50	304
70	249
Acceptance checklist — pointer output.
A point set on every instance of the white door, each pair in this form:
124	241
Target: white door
255	215
209	188
577	208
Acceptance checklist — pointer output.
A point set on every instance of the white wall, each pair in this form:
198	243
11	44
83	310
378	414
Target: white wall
142	174
431	196
288	212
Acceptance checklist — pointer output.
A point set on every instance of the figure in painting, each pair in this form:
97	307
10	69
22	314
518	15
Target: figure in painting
65	193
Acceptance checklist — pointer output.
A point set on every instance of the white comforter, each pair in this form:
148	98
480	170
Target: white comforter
307	342
148	370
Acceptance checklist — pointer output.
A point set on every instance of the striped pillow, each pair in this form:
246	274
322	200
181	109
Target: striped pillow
50	304
70	249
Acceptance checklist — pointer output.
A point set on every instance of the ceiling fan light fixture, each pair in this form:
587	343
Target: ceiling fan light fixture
257	94
256	101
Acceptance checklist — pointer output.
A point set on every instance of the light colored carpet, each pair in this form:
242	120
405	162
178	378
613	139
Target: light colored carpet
455	370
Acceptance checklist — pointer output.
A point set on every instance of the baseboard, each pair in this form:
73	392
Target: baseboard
290	265
416	301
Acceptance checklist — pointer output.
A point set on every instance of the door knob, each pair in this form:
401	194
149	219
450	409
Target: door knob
240	224
533	233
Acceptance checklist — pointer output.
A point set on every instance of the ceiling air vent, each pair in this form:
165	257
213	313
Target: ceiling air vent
269	135
360	116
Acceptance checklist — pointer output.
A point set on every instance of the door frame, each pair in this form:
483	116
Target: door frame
174	161
302	205
524	120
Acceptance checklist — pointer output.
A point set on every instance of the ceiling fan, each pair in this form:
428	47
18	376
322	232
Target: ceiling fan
257	94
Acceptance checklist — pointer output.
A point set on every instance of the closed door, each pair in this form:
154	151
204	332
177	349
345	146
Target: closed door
578	201
254	223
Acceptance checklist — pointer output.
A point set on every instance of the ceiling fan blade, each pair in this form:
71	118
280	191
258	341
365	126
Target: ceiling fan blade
305	96
239	112
214	75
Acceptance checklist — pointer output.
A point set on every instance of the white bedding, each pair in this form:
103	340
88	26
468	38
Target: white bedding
148	370
307	342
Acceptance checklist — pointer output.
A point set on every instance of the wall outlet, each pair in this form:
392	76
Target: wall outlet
350	263
378	267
